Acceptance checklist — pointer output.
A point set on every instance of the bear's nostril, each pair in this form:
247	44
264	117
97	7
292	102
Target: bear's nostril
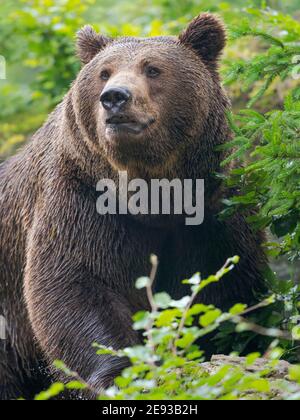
114	98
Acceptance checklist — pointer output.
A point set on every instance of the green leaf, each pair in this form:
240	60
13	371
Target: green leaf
294	373
181	303
260	385
187	340
198	308
52	392
141	320
76	385
162	300
252	358
195	280
285	224
296	333
58	364
238	309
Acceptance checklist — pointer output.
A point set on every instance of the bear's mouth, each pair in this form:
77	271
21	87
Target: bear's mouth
124	123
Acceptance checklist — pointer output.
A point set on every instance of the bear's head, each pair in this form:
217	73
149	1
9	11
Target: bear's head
141	102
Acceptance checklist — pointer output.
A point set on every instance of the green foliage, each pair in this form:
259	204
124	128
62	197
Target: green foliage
261	69
266	154
279	55
46	29
269	182
169	364
37	38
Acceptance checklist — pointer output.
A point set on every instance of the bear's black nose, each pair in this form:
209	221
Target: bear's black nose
114	98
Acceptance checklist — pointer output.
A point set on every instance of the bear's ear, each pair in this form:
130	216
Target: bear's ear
206	34
89	44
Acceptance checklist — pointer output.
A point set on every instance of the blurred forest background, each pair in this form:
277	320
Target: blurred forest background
260	69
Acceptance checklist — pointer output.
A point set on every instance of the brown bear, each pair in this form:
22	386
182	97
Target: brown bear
154	108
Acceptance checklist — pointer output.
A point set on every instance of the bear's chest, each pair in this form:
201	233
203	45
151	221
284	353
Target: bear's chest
125	249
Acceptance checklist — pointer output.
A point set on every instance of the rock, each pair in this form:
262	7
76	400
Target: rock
277	374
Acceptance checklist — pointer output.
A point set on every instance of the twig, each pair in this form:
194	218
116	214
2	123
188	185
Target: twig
154	307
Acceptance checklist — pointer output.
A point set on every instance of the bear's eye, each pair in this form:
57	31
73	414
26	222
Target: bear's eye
152	72
105	75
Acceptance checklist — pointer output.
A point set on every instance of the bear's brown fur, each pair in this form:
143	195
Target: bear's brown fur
67	274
